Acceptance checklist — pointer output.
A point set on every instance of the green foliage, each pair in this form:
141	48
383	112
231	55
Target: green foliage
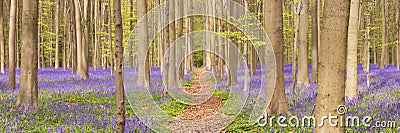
221	94
173	107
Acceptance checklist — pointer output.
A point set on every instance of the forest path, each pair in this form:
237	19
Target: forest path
206	115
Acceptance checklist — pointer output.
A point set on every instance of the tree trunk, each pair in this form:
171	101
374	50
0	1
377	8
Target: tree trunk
352	64
273	25
143	78
397	4
366	49
314	40
18	33
303	45
57	63
120	109
11	45
131	29
78	31
220	41
179	33
295	37
2	65
86	40
28	91
110	37
330	93
172	61
384	41
65	35
73	40
166	44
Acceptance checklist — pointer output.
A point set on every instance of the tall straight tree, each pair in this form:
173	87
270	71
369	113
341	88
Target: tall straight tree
57	61
86	39
110	37
172	37
273	25
66	25
314	40
120	109
2	65
28	91
331	72
144	77
397	4
303	45
78	31
384	38
352	43
11	44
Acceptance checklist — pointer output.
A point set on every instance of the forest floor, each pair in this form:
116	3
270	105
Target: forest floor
206	115
69	104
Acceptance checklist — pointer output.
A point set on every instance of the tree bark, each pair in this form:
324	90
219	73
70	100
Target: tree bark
120	109
314	40
384	40
65	35
397	4
330	92
172	37
57	63
2	65
295	42
144	77
303	44
273	25
366	49
179	34
78	31
352	41
28	91
86	40
110	37
11	45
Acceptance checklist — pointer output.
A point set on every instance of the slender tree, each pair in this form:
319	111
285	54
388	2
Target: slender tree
120	109
86	39
66	25
397	4
330	92
78	31
110	37
352	41
28	91
144	78
366	47
273	25
179	34
384	38
172	37
2	65
57	62
303	44
11	45
314	40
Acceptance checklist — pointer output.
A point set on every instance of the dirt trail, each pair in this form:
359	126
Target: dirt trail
206	115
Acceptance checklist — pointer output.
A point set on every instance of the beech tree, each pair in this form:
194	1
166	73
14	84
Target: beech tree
330	92
2	65
273	26
11	45
352	42
144	76
28	91
303	44
120	98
